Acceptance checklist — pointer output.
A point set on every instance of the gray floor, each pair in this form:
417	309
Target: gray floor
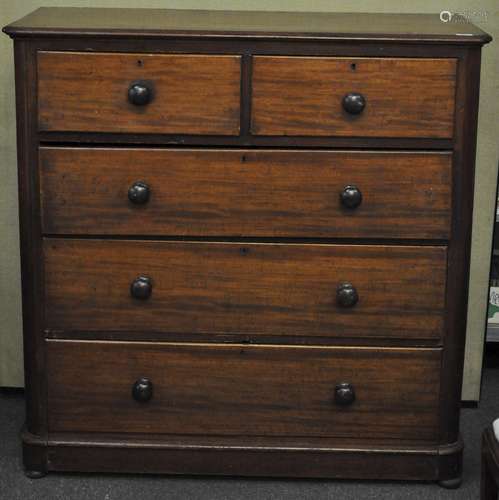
14	485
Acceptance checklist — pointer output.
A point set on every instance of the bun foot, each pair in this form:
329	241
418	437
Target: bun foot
35	474
451	484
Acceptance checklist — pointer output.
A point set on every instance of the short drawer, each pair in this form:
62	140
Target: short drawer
139	93
124	191
210	389
245	288
345	96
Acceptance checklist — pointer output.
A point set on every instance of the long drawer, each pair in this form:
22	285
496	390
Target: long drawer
139	93
273	289
134	387
359	96
127	191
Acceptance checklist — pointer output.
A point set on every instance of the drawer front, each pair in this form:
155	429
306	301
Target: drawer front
104	92
243	390
273	289
304	96
245	193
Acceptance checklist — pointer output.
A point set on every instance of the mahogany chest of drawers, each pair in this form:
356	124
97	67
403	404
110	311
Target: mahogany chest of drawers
245	241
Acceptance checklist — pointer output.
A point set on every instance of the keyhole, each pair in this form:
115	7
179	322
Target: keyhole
353	66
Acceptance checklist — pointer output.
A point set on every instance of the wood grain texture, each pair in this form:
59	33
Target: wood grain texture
243	390
458	264
284	456
271	460
32	285
303	96
244	141
158	23
245	288
163	336
412	297
87	92
245	193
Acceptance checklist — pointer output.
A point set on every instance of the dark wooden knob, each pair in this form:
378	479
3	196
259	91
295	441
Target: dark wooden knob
139	192
351	197
139	94
344	394
354	103
142	390
141	288
346	295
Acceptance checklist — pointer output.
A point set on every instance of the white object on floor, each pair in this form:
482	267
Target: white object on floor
495	426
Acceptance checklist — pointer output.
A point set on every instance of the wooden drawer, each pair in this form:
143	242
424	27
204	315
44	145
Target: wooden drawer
89	92
243	390
303	96
245	193
253	289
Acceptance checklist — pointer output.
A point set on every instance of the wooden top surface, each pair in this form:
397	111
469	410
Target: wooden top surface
409	28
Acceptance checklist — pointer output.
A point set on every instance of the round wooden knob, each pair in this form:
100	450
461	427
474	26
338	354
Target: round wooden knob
141	288
346	295
139	192
344	394
351	197
139	94
354	103
142	390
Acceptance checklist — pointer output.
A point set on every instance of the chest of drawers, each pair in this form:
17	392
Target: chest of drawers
245	241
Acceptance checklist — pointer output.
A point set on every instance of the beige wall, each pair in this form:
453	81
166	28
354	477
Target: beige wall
10	322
